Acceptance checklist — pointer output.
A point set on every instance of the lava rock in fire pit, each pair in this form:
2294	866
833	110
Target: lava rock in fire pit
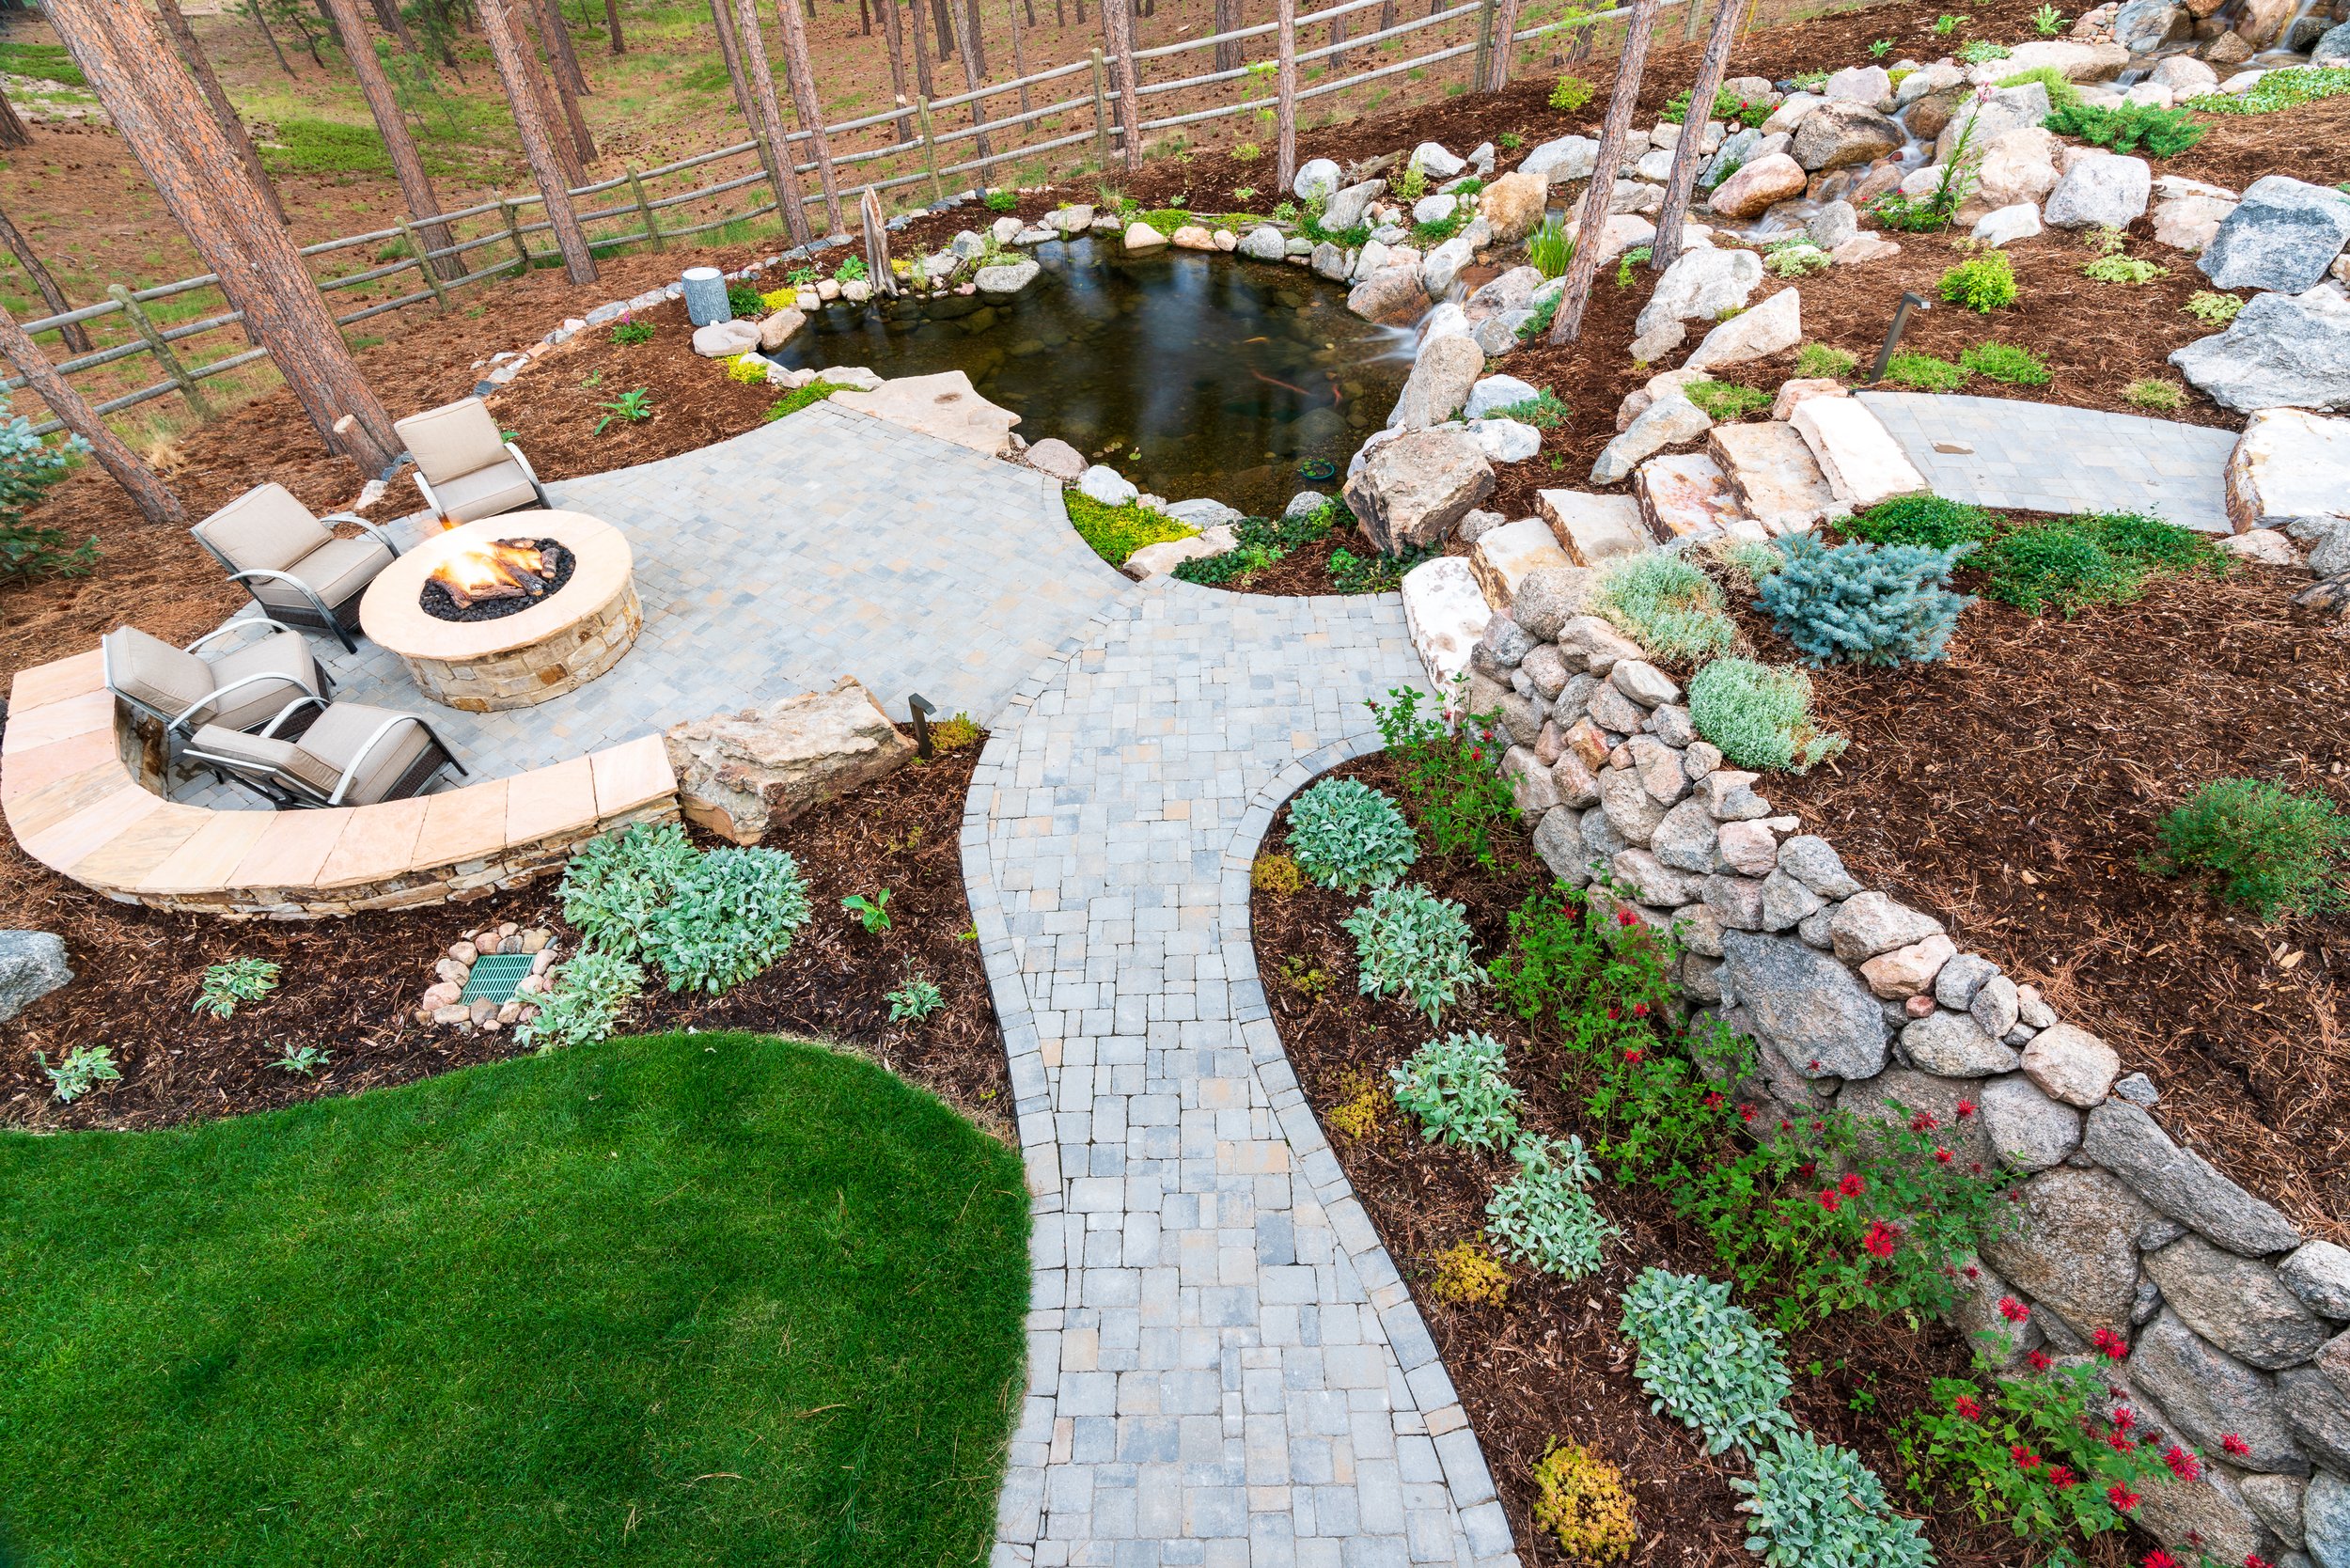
514	574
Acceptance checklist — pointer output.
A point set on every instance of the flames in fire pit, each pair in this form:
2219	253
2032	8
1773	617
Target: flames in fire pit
500	569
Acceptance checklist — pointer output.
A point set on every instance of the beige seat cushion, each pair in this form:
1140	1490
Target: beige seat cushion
334	740
264	529
453	440
338	572
152	673
258	753
283	658
485	492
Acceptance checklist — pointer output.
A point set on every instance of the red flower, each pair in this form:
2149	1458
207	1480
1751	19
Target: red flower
1625	918
1785	1125
2012	1310
2120	1444
1819	1126
2025	1459
1941	1157
2183	1464
2236	1446
2038	1359
1815	1064
1974	1168
1745	1113
1828	1200
2124	1418
1923	1122
1881	1239
2061	1477
1852	1185
1965	1404
2113	1344
1973	1273
1808	1170
1965	1110
1613	1014
1476	754
1639	1009
2160	1559
2121	1497
1633	1058
2253	1560
1713	1099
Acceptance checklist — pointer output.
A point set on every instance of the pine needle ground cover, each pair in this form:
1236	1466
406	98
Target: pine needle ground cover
689	1299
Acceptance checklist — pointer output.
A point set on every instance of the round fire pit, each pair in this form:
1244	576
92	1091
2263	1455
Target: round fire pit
576	626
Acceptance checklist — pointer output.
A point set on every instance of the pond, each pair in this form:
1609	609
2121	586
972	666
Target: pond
1192	374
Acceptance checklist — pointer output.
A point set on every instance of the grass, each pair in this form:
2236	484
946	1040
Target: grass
1726	400
1923	372
1117	532
50	62
2069	563
689	1299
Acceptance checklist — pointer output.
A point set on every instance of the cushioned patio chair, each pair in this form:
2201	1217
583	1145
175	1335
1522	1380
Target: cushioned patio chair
465	468
242	689
293	563
351	754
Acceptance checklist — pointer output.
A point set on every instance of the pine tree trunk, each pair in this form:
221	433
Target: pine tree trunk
75	334
516	68
1227	18
163	119
253	9
1117	33
974	72
154	499
808	105
612	25
763	81
893	35
387	13
974	29
1386	14
1019	56
556	43
217	97
1688	154
722	14
921	50
544	91
1338	36
1061	13
1505	24
944	27
415	186
1285	96
13	132
1567	325
557	34
1081	11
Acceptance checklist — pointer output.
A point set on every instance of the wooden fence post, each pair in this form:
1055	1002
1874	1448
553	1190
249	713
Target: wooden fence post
514	229
145	328
1101	113
929	148
652	228
426	267
1285	80
1483	71
154	500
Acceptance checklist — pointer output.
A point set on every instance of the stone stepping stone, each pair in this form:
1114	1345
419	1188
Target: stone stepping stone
1595	529
1776	480
1686	496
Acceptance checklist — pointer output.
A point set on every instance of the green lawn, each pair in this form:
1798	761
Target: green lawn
696	1300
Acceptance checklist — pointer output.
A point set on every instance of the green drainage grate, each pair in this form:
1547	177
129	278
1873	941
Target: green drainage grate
494	977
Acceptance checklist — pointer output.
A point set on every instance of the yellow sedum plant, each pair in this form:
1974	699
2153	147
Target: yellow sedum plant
1580	1499
1467	1275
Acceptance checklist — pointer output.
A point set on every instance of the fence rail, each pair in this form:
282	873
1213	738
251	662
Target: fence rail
509	231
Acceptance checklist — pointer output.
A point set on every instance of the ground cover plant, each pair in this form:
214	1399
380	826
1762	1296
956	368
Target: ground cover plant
2067	564
1759	716
690	1296
1117	532
1666	605
2274	850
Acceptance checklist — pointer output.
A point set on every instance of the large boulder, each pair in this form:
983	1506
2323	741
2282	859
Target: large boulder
1872	85
1837	136
1822	1020
1439	384
1759	186
1565	159
1265	242
1980	122
2143	26
2183	1185
2106	192
2210	1394
1317	177
2018	167
2188	213
2283	234
1444	264
1347	208
32	964
1445	613
1506	556
2326	1512
1393	295
1769	328
777	329
1008	279
1493	394
2317	1403
1667	422
2074	1247
2238	1305
2280	351
740	775
2288	466
1513	205
1702	285
1415	487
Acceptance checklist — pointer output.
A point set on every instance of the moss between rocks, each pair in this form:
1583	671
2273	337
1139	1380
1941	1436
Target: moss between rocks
1117	532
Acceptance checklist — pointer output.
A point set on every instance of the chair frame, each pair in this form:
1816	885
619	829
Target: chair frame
513	452
285	791
339	623
183	723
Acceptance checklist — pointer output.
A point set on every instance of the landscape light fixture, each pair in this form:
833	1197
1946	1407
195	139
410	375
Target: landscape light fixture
1894	333
919	708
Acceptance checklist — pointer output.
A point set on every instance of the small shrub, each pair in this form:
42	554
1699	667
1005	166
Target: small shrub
1544	410
870	914
1815	1505
2059	87
1549	249
629	333
748	368
2047	22
778	299
1459	1090
1982	283
1545	311
302	1060
1569	93
1823	362
1449	775
2270	848
85	1068
744	299
1981	52
2067	563
1581	1500
708	921
1864	603
1706	1363
1725	401
1543	1216
226	986
1927	520
2154	395
1276	874
915	1001
1798	258
1245	152
1001	201
1346	834
1665	604
1923	372
1467	1276
1117	532
631	407
2005	363
1309	980
2211	308
1511	141
1359	1106
1728	107
1411	185
1759	716
2123	268
955	733
1628	265
1410	943
591	993
2162	132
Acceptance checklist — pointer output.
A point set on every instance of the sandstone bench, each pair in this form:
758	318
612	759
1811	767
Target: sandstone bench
81	787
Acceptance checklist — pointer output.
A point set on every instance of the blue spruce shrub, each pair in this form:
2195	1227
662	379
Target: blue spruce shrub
1864	603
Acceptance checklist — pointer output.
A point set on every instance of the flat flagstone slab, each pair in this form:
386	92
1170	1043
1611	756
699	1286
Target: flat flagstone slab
825	544
2004	453
1224	1366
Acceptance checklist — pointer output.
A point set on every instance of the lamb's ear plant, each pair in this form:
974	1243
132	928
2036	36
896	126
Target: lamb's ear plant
1545	1217
1345	834
1816	1505
1460	1090
1410	943
1706	1362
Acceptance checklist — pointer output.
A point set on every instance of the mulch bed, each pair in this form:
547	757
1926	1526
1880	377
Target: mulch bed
350	986
1552	1363
2012	788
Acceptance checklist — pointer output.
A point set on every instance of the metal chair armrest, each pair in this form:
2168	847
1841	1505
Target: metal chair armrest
326	615
269	730
238	624
265	677
359	758
373	530
528	473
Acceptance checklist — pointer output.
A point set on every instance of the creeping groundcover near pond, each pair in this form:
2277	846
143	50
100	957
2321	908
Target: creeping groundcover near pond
691	1299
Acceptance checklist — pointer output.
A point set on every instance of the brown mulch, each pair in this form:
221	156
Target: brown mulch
1552	1363
350	986
2012	789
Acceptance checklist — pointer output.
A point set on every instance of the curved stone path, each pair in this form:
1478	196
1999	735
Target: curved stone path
1224	1367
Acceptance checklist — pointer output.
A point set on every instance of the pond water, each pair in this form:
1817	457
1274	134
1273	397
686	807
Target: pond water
1194	375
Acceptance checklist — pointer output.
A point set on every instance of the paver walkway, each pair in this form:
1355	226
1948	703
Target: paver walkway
825	544
2003	452
1224	1367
